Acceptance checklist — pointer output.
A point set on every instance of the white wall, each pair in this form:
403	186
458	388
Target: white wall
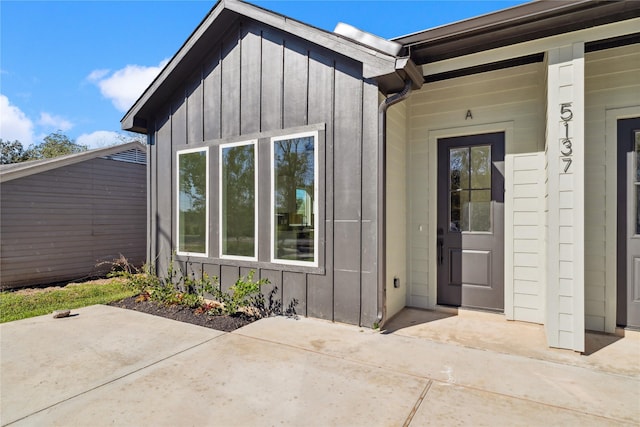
612	81
509	100
396	207
524	252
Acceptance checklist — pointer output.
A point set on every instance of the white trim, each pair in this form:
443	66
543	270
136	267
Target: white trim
253	142
206	243
611	210
316	168
433	137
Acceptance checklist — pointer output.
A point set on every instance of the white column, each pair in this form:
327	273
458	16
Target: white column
564	321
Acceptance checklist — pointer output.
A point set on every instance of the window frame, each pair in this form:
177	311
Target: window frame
256	189
204	254
316	213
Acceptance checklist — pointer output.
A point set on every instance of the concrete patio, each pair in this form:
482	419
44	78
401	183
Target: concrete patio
109	366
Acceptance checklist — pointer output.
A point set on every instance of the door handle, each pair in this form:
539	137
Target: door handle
440	245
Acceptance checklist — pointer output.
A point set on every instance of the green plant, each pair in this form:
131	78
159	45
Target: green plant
244	293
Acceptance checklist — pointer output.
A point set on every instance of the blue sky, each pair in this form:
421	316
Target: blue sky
77	66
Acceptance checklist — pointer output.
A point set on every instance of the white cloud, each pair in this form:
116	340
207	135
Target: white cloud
14	124
96	75
99	139
123	87
54	122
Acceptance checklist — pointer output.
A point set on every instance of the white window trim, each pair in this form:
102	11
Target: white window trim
253	142
315	199
206	241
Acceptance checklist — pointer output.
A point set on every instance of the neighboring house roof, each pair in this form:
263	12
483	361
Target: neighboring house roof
214	27
514	25
22	169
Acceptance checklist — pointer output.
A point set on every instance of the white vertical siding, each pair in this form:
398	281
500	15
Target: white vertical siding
509	100
565	249
612	80
396	207
524	252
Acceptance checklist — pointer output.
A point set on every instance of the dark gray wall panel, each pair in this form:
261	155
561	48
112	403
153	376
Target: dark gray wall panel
347	297
295	84
211	74
347	145
251	77
274	287
228	276
272	78
194	108
164	179
320	295
194	270
346	241
230	93
321	98
179	120
213	273
369	310
294	289
369	266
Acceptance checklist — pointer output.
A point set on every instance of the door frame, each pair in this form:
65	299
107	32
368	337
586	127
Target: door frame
507	127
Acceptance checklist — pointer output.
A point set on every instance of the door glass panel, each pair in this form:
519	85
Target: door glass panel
459	168
464	203
456	211
480	210
481	167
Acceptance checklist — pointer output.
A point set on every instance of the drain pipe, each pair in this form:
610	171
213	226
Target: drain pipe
382	196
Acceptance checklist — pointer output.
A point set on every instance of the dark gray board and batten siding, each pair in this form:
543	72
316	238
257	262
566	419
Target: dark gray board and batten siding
255	83
57	225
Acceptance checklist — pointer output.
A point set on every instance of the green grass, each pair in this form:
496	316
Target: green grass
15	306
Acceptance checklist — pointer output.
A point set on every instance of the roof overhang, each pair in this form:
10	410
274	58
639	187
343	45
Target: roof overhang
214	27
515	25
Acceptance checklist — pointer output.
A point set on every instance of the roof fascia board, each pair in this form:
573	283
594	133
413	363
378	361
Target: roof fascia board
532	10
71	159
374	62
532	47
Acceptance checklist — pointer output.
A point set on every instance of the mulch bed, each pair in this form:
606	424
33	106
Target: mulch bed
185	314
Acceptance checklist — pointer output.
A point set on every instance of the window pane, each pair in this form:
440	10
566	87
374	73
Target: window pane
463	223
294	192
455	223
192	202
481	167
459	168
238	200
480	210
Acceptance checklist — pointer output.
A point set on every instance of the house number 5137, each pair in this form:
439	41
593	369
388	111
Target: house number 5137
566	149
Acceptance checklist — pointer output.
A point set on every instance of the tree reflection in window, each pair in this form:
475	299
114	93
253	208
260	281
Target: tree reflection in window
294	193
238	207
192	202
470	188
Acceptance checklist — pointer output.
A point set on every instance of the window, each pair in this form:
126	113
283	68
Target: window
238	207
470	188
193	202
294	192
